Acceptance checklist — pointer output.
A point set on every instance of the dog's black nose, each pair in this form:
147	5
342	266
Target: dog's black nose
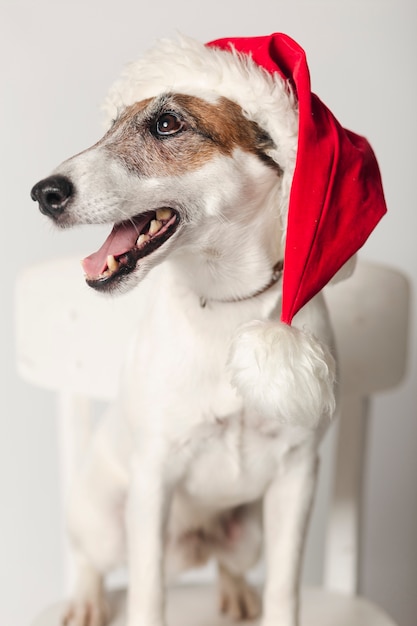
53	194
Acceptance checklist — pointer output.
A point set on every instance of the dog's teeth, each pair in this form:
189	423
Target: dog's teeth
154	226
112	263
163	214
142	239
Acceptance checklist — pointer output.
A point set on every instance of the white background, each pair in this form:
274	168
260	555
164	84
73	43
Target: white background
57	60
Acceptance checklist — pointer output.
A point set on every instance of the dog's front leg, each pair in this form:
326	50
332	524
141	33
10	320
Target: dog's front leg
147	512
287	509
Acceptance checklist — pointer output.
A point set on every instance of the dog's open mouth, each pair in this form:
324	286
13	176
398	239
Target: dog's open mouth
128	242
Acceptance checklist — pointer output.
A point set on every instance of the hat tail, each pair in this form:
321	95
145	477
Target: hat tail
283	373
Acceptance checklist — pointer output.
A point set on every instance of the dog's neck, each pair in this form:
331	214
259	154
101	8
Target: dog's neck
236	260
275	278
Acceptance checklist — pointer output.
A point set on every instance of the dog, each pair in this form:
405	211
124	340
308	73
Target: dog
211	449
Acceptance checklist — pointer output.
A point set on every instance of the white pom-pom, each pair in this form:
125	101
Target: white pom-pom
283	373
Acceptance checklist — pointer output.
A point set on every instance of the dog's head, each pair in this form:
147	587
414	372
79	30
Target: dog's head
189	153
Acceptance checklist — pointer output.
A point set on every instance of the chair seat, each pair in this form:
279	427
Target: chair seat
196	605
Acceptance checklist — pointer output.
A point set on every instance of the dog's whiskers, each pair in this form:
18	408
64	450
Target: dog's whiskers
127	218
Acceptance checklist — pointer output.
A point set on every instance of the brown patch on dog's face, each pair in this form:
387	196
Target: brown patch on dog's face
173	134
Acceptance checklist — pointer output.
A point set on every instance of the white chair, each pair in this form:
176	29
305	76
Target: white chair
71	341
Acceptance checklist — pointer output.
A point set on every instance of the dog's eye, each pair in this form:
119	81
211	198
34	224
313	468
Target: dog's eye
168	124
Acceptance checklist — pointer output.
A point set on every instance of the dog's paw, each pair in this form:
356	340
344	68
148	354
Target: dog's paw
238	600
196	548
86	613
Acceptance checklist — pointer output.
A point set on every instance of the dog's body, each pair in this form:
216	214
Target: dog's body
180	431
184	466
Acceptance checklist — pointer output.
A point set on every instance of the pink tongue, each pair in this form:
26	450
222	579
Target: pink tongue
121	239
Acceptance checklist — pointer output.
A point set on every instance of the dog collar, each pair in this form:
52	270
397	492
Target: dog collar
275	278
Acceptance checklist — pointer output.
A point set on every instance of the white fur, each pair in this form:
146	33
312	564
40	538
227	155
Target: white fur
202	438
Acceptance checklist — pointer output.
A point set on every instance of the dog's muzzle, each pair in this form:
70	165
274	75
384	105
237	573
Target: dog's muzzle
53	194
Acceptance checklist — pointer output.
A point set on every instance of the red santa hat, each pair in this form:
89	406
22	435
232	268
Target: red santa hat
336	197
336	200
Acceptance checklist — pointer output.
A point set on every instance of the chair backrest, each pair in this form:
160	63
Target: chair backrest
72	341
370	315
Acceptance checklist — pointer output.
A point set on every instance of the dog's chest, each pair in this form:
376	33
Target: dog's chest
177	373
179	386
232	463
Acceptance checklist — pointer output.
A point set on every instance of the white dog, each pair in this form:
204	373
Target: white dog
213	441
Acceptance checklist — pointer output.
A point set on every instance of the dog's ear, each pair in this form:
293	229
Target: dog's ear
264	139
265	147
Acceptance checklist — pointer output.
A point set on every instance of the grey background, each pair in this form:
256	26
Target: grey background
57	60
